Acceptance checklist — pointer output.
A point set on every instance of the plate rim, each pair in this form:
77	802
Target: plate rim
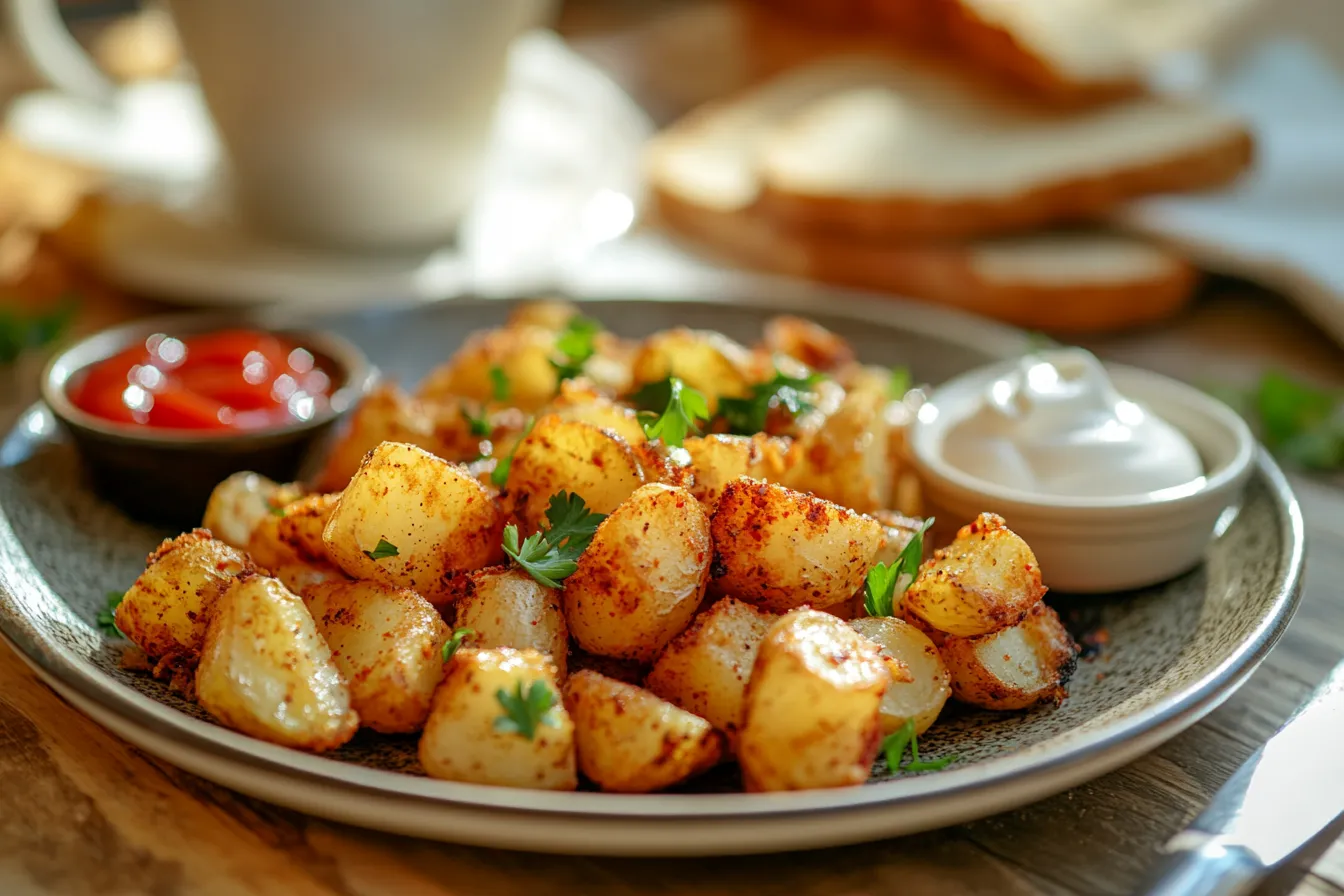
17	574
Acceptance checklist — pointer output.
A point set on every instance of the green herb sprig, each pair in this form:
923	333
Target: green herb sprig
899	384
107	616
574	346
477	426
20	331
681	407
887	583
747	416
1300	423
894	746
455	641
526	710
500	386
383	549
552	555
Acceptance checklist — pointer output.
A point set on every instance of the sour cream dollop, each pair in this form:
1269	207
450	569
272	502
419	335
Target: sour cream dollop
1056	425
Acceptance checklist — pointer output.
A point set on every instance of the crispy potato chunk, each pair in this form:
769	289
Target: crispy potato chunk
462	742
561	455
279	557
986	580
641	579
806	341
165	612
780	549
265	670
242	501
301	523
387	642
506	607
433	514
717	460
631	741
843	456
579	401
705	669
812	706
1016	667
386	414
705	360
522	352
549	314
920	695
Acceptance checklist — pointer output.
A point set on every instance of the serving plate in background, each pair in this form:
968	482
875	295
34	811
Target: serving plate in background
1173	652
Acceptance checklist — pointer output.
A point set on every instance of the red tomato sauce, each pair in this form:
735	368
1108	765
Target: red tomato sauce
226	380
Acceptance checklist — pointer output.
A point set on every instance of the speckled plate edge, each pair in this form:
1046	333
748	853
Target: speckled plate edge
604	823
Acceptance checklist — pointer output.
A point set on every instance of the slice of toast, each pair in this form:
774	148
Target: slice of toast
867	146
1067	283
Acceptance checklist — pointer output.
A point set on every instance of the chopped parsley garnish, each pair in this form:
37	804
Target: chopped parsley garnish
477	426
107	617
385	548
899	384
747	416
526	710
500	474
681	407
20	331
1301	423
895	744
455	641
277	510
552	555
574	346
886	583
499	383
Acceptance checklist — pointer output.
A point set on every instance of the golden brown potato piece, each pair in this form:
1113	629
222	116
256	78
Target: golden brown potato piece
812	706
897	530
265	670
641	579
465	740
412	520
242	501
280	558
386	414
506	607
631	741
843	456
579	401
522	352
1016	667
561	455
717	460
705	360
705	669
780	549
301	523
985	580
627	671
165	612
921	695
388	644
806	341
549	314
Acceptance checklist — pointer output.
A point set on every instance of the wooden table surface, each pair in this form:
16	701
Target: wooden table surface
82	812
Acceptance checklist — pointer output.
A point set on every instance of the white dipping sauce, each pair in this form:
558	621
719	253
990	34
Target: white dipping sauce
1057	426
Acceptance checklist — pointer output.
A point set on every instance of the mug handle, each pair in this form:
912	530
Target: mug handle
40	32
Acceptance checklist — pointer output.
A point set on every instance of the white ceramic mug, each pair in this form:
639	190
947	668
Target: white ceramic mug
346	122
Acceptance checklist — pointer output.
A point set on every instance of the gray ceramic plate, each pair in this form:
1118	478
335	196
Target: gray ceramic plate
1174	651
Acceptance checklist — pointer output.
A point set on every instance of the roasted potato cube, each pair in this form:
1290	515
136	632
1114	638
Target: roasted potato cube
562	455
165	612
921	693
780	549
506	607
522	352
431	519
985	580
386	414
549	314
301	524
641	579
242	501
282	559
631	741
388	644
579	401
705	669
812	706
464	739
843	456
1015	667
717	460
265	670
806	341
705	360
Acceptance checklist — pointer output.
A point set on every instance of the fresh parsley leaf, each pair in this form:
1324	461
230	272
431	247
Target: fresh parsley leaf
499	383
477	426
552	555
1301	423
20	331
450	646
899	384
500	474
653	396
574	346
385	548
107	617
526	710
747	416
277	510
895	744
684	407
886	583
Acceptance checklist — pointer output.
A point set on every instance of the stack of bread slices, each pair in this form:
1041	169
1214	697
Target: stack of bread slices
958	151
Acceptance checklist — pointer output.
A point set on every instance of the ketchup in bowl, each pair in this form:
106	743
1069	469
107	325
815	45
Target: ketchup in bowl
227	380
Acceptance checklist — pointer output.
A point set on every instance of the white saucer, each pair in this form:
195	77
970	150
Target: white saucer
563	177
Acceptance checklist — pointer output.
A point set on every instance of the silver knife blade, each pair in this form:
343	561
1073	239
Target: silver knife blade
1287	792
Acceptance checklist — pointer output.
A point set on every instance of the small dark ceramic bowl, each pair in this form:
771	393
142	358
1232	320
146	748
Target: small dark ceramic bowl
165	476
